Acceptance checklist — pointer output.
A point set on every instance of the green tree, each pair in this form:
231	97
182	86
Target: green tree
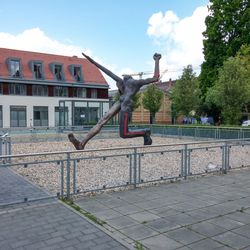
231	91
186	93
152	100
227	29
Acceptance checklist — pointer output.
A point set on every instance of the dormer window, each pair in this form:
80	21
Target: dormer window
76	72
37	70
58	72
14	66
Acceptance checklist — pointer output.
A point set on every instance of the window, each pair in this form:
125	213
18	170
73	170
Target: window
93	93
14	67
80	92
77	73
17	116
60	91
58	72
1	88
1	116
37	70
40	116
39	90
17	89
61	116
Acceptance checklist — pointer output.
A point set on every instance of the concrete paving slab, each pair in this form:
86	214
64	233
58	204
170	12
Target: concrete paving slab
162	225
192	213
161	242
184	235
233	240
138	232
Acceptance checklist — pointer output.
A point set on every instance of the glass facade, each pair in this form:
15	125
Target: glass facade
79	113
18	116
40	116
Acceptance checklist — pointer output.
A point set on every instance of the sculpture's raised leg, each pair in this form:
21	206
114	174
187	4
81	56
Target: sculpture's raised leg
79	145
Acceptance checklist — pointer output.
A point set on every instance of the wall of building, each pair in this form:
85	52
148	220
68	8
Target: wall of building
141	115
6	101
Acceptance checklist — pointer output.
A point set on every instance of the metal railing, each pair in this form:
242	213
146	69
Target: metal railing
66	173
198	132
5	146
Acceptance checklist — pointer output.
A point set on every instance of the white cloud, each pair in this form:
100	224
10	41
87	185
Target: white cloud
179	39
36	40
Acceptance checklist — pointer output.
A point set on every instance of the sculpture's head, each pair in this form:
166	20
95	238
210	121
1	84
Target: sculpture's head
127	77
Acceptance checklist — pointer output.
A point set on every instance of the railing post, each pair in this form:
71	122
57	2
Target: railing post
225	158
62	179
130	168
185	161
68	175
135	166
75	177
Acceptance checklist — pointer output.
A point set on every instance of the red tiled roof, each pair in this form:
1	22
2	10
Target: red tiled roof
91	74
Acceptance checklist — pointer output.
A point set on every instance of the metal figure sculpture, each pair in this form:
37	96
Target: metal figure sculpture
127	87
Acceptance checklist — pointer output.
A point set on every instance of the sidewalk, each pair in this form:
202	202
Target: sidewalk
210	212
46	224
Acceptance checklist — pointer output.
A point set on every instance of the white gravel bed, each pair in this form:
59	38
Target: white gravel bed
112	167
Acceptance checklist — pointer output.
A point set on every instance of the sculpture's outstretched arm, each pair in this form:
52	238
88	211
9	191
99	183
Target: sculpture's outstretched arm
96	129
156	76
102	68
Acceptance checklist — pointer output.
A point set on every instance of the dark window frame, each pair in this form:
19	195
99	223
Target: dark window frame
17	89
18	110
58	76
78	92
18	73
43	91
37	75
41	111
61	91
74	68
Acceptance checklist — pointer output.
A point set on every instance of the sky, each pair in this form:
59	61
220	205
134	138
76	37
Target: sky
121	35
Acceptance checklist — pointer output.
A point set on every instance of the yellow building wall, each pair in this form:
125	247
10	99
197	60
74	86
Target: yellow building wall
141	115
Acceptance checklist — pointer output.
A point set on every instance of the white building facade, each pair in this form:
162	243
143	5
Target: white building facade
43	90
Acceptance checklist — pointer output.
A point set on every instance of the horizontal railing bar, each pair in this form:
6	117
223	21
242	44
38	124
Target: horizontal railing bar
122	148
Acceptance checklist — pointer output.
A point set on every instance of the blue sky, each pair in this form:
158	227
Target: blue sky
122	35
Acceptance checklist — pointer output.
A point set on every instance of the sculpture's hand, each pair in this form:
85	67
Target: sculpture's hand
157	56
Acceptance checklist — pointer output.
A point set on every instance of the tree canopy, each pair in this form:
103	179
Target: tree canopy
186	93
231	91
152	100
227	29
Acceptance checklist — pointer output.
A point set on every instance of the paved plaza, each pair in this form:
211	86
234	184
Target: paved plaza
211	212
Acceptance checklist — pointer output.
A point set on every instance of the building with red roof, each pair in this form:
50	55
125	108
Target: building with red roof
38	89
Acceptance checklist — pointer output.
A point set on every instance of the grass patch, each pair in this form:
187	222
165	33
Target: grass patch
241	210
138	245
90	216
